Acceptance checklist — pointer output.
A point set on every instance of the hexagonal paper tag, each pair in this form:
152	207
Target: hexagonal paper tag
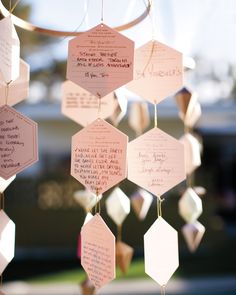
190	205
98	251
118	206
156	161
82	107
99	156
18	90
100	60
158	71
10	50
18	142
5	183
7	240
161	251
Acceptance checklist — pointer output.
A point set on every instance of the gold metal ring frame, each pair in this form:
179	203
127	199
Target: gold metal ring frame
30	27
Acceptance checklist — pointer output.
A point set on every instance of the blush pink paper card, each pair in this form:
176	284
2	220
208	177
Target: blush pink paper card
98	156
81	106
156	161
18	142
100	60
158	71
18	90
10	50
98	251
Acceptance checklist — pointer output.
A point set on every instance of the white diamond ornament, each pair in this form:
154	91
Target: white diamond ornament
86	199
193	234
192	152
120	109
118	206
190	206
5	183
139	117
7	240
161	251
141	202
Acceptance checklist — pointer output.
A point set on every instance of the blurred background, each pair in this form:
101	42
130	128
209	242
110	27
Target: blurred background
40	201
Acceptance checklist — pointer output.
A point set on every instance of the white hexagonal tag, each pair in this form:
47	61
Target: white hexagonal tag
7	240
156	161
190	206
158	71
17	90
98	251
99	156
118	206
10	50
100	60
161	251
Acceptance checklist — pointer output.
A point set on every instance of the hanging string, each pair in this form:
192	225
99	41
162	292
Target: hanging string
155	115
102	12
1	281
2	201
7	93
119	232
149	59
14	6
99	107
163	291
98	204
159	206
151	15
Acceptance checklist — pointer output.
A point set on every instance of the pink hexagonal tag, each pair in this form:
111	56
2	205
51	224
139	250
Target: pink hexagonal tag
98	251
156	161
161	251
82	107
18	89
158	71
100	60
7	240
99	156
10	50
18	142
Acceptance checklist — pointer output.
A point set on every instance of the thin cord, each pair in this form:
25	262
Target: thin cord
2	201
155	115
14	6
7	93
119	232
99	107
149	59
102	12
159	206
163	290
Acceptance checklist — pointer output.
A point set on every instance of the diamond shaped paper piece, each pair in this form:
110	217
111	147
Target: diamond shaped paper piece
7	240
86	199
18	142
87	287
10	50
156	161
5	183
158	71
192	152
82	107
124	254
193	234
121	104
161	251
118	206
139	118
18	90
100	60
141	202
99	156
98	251
190	206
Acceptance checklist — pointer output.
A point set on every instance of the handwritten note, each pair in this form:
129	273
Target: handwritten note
9	50
99	156
156	161
100	60
158	71
83	107
18	142
18	89
98	251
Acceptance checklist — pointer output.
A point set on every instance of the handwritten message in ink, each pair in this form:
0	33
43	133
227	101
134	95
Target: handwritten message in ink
158	71
100	60
10	50
18	89
98	251
156	161
18	142
99	156
83	107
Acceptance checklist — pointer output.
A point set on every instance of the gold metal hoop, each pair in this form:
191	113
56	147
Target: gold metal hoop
30	27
